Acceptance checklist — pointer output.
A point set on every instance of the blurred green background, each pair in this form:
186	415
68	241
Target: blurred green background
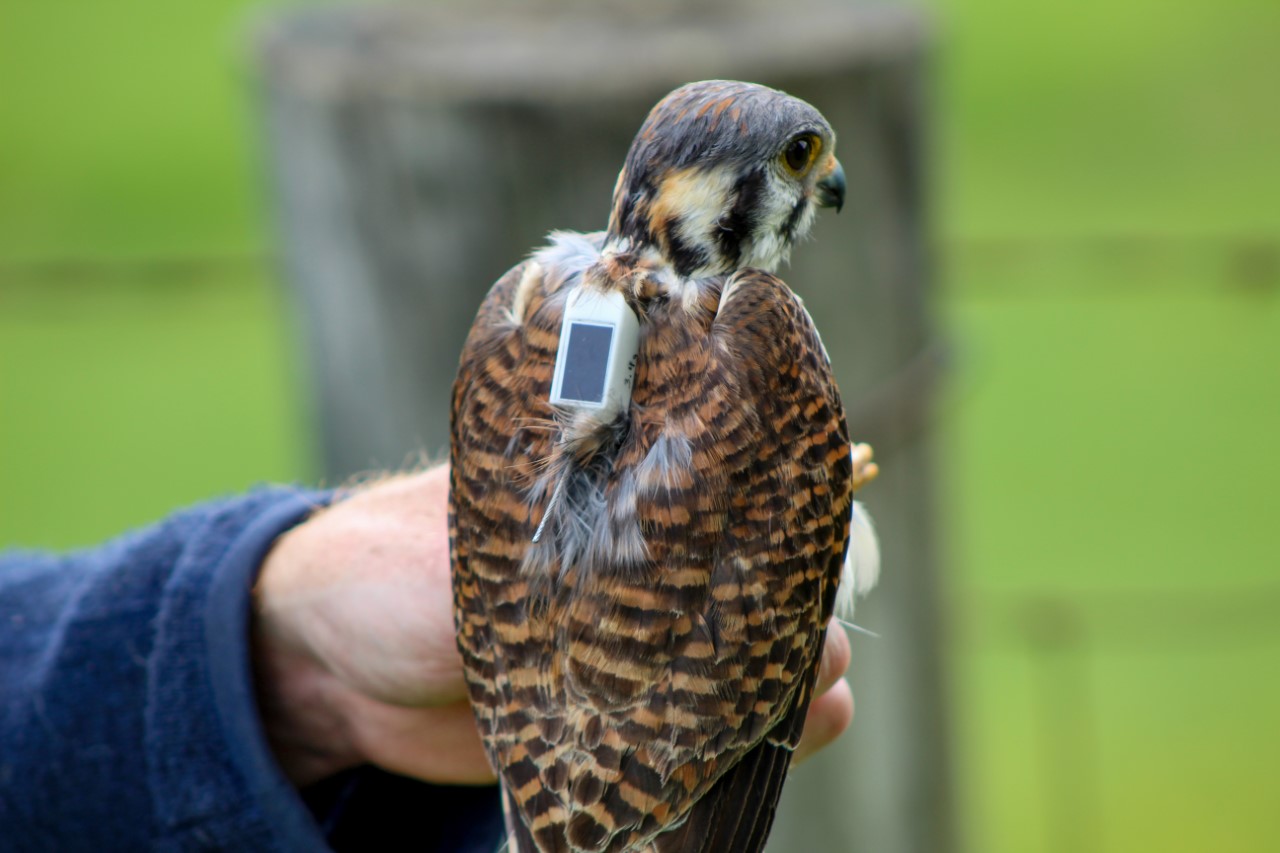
1109	223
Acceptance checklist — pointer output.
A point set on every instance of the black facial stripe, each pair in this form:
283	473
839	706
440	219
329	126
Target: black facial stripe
737	225
793	220
684	257
626	211
632	211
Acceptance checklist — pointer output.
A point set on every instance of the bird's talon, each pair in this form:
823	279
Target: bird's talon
864	470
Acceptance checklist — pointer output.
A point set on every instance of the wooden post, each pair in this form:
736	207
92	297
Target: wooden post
417	152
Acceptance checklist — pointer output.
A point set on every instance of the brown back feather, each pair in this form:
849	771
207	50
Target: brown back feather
649	705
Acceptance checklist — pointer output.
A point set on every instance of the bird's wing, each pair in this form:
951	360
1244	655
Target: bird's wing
651	701
502	426
788	527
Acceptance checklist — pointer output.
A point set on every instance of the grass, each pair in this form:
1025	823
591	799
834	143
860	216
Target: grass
1111	464
1137	417
1085	118
122	401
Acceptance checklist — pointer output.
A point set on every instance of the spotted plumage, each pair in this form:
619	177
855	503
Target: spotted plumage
640	673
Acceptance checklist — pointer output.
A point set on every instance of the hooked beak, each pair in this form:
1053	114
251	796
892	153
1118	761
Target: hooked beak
831	189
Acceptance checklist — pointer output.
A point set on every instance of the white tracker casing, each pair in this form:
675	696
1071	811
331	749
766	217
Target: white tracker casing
596	359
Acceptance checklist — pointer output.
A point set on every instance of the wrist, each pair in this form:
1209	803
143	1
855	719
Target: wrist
300	707
299	700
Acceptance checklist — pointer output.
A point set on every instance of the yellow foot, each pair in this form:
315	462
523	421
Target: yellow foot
864	470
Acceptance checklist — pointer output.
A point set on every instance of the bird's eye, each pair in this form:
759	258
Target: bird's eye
800	153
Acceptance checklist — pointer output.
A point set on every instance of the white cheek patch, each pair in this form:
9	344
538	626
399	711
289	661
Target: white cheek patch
769	247
693	198
700	201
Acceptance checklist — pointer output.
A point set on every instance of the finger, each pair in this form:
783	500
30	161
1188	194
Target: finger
437	744
835	658
829	715
831	711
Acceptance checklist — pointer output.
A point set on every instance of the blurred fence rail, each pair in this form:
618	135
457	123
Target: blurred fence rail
1248	259
173	270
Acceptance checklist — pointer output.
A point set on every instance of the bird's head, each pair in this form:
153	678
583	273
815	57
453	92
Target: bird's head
724	175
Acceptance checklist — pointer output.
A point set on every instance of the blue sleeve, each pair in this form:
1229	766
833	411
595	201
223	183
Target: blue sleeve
127	713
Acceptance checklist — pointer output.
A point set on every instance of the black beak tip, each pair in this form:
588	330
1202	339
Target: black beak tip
831	189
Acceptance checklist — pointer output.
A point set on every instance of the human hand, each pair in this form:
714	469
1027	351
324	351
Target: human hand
354	640
354	651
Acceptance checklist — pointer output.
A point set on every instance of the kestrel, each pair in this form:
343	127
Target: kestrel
652	492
